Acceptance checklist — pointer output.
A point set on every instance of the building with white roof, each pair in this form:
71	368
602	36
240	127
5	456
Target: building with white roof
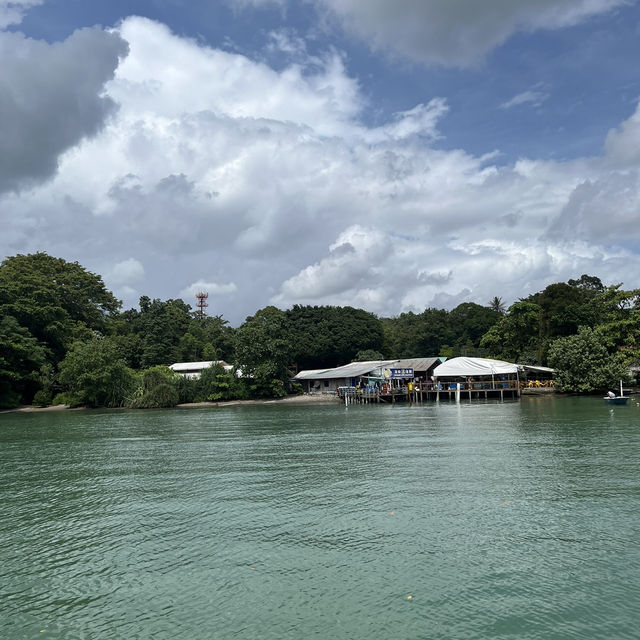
194	369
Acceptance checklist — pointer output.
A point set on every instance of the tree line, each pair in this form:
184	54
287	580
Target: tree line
65	339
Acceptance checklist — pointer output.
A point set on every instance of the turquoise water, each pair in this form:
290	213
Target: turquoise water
480	520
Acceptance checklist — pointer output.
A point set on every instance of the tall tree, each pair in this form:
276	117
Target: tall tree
21	356
415	335
515	336
496	304
563	309
469	322
54	299
619	320
159	327
583	363
210	335
587	283
326	336
263	352
96	373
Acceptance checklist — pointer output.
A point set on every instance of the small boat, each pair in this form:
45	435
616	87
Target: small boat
616	399
612	398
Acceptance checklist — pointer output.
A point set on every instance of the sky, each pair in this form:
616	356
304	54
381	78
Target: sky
390	155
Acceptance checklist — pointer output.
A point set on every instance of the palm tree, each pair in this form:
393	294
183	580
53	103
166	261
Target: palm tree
496	304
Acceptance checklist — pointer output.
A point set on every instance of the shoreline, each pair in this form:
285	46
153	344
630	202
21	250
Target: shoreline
303	399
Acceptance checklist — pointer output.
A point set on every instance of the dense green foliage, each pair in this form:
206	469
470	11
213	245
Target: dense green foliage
217	384
96	373
263	352
330	336
515	336
64	339
584	364
55	300
438	332
156	389
21	355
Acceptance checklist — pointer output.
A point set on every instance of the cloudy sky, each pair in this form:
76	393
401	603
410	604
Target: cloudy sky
389	154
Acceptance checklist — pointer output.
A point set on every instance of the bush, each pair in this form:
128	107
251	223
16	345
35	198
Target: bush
583	363
66	397
41	399
186	388
96	374
161	396
217	384
157	389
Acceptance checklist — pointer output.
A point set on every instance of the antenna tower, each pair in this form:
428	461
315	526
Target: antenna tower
202	303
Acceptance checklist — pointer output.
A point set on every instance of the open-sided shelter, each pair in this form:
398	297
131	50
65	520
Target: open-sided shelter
477	373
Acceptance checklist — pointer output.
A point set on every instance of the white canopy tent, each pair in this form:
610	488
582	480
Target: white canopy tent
472	367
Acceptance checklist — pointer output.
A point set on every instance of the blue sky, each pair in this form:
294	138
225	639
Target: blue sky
388	155
582	80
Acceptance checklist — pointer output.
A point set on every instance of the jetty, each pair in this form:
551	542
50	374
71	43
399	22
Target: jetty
420	380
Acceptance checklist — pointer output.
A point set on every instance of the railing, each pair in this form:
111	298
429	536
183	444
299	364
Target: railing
496	385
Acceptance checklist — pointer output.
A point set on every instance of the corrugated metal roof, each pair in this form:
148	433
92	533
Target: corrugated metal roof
417	364
308	374
351	370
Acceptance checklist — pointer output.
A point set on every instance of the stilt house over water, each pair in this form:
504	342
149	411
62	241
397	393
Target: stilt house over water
371	373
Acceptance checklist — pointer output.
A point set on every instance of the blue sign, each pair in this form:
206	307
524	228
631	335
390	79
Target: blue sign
402	373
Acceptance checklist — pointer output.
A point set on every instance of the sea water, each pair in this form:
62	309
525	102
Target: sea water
487	519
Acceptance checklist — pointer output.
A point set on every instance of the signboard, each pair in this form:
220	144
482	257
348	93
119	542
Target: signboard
401	373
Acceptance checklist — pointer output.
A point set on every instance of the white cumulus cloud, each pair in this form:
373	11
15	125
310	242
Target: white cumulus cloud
126	271
261	185
212	288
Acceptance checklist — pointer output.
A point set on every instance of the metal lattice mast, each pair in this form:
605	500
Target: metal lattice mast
202	303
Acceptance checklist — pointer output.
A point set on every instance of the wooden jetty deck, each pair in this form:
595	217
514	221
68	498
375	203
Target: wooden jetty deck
420	393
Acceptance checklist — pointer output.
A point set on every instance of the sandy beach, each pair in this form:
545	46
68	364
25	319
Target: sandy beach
302	399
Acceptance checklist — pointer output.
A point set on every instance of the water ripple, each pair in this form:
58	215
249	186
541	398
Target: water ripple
484	520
